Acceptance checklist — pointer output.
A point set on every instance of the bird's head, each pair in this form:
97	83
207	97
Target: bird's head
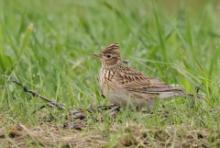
110	55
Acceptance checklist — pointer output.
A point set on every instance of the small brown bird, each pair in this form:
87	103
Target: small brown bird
123	85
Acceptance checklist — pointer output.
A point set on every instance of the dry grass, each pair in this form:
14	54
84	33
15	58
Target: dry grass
48	135
129	134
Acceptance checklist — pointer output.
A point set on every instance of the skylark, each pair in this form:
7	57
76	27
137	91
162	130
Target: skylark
123	85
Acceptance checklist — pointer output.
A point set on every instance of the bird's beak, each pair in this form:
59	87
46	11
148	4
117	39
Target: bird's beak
97	55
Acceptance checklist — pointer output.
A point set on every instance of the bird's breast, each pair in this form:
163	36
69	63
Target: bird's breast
105	80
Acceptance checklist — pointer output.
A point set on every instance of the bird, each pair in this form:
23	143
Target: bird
124	85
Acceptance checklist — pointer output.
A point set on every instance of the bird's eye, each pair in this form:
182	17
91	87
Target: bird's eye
108	56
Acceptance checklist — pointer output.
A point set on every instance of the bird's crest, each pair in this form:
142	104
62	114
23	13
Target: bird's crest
112	48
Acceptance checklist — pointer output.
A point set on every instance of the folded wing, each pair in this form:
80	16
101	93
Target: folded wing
136	82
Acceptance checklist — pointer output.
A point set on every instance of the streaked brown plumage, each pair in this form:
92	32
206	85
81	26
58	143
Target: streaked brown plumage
123	85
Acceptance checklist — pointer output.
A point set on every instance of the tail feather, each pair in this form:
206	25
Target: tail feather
170	94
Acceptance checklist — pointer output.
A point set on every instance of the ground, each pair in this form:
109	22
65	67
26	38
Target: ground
48	47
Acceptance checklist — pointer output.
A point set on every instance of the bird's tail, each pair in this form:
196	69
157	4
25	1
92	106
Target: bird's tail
179	93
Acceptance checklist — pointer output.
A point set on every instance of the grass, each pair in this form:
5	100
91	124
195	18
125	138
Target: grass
47	45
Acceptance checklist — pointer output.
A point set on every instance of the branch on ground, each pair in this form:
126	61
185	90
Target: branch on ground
50	102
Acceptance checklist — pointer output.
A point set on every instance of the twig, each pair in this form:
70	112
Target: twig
40	108
51	103
91	109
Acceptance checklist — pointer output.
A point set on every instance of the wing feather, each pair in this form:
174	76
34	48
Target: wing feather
135	81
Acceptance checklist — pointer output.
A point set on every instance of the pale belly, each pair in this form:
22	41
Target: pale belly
119	96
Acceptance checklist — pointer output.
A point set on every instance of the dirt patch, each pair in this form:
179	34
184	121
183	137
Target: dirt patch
50	135
131	135
135	135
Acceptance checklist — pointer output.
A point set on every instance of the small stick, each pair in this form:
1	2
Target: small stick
40	108
91	109
51	103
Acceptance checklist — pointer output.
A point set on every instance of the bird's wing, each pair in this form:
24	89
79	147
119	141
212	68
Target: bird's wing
135	81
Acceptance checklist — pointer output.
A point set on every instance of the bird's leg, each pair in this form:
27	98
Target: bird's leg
114	108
